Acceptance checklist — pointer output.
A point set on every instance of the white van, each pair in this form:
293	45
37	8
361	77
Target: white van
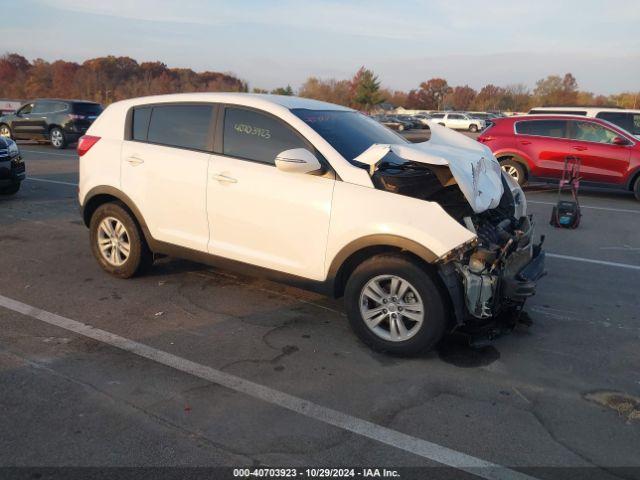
627	119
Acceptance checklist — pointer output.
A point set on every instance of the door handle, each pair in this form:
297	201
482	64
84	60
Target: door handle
579	148
525	142
135	161
224	178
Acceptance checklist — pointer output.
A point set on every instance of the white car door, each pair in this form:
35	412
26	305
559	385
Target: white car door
164	171
259	214
457	121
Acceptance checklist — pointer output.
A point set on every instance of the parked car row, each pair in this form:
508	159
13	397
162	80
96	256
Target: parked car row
57	121
401	123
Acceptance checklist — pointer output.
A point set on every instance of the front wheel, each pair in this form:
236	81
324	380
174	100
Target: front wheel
394	306
117	242
58	139
10	190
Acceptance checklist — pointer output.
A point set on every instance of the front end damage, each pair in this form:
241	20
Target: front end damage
489	278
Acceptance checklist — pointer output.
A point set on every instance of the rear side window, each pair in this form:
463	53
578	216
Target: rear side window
141	117
184	126
629	121
437	115
543	128
255	136
88	109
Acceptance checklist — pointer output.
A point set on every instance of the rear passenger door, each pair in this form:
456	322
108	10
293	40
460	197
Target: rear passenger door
259	214
545	142
164	166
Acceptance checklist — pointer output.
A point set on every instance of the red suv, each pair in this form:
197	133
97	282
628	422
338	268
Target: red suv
536	146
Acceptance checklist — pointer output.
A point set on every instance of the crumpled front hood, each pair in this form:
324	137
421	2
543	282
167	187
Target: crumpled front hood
471	163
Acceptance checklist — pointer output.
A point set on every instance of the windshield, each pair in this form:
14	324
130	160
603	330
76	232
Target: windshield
350	133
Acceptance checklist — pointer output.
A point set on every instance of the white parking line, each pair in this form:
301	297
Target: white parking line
40	152
417	446
52	181
591	260
623	210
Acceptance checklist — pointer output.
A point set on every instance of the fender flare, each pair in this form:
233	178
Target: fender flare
87	209
518	157
335	274
635	173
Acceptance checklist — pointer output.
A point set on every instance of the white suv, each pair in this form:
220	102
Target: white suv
459	121
420	239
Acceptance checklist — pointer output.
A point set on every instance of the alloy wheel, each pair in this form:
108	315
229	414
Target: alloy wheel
56	138
5	132
391	308
113	241
512	171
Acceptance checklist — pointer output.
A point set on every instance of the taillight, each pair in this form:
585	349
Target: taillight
85	143
484	138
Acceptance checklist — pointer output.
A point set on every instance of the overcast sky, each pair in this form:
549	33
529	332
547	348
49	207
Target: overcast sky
272	43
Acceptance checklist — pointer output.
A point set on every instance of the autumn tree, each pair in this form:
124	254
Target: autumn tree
430	95
331	90
554	90
461	98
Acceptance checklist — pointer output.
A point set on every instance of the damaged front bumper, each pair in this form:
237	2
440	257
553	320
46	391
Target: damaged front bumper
484	282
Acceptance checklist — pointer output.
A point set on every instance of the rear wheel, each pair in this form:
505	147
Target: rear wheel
636	188
5	131
394	306
117	242
400	128
515	170
473	128
58	139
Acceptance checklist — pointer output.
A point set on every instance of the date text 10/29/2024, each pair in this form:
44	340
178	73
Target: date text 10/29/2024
315	473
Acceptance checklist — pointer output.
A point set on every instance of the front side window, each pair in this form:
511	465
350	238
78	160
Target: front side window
543	128
437	115
256	136
183	126
26	109
455	116
591	132
350	133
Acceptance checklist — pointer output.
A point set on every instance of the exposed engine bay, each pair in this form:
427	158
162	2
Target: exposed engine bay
499	269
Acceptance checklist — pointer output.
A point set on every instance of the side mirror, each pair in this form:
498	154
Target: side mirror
620	141
298	160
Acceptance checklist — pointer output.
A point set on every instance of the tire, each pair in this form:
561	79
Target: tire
400	128
10	190
473	128
113	262
515	169
5	131
57	138
419	336
636	188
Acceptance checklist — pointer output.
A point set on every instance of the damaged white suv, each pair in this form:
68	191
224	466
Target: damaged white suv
420	239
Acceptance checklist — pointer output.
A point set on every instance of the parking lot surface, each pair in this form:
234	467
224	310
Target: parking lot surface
562	394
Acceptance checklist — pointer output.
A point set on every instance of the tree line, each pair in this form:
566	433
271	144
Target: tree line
111	78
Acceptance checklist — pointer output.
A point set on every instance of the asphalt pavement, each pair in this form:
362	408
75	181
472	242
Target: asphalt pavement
194	366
